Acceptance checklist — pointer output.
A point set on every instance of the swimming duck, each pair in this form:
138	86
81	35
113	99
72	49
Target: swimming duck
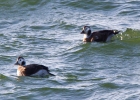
98	36
32	69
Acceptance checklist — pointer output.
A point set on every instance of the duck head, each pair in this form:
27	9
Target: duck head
86	31
20	61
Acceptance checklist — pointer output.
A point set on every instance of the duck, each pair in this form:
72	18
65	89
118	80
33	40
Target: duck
97	36
31	69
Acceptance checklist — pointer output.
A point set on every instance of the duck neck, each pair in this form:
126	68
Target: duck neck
87	35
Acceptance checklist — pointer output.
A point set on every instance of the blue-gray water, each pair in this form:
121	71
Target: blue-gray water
48	32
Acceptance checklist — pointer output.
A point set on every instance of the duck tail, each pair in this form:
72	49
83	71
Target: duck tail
47	69
51	74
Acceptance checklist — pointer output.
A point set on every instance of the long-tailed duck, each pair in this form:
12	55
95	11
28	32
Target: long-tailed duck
32	69
98	36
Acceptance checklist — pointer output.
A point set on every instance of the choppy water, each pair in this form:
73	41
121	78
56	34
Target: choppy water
48	32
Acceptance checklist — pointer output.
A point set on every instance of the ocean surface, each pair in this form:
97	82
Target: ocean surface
48	32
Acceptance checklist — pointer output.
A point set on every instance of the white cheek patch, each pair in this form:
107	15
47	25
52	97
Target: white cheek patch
20	61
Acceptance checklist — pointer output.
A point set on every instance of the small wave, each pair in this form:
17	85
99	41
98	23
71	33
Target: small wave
90	4
109	85
2	77
130	34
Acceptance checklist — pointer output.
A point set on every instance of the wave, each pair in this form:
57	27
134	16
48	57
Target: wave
130	34
3	77
16	6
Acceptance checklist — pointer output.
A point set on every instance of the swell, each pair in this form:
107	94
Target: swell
130	35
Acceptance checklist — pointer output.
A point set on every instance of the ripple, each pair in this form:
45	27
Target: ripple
109	85
3	77
47	32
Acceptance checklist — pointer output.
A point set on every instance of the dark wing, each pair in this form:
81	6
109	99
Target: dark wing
33	68
102	35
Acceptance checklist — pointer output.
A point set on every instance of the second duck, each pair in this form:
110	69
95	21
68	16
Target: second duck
98	36
32	69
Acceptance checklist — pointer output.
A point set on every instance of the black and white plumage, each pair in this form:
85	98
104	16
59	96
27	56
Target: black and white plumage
32	69
98	36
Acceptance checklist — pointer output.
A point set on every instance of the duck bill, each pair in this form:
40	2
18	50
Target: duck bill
16	63
83	32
